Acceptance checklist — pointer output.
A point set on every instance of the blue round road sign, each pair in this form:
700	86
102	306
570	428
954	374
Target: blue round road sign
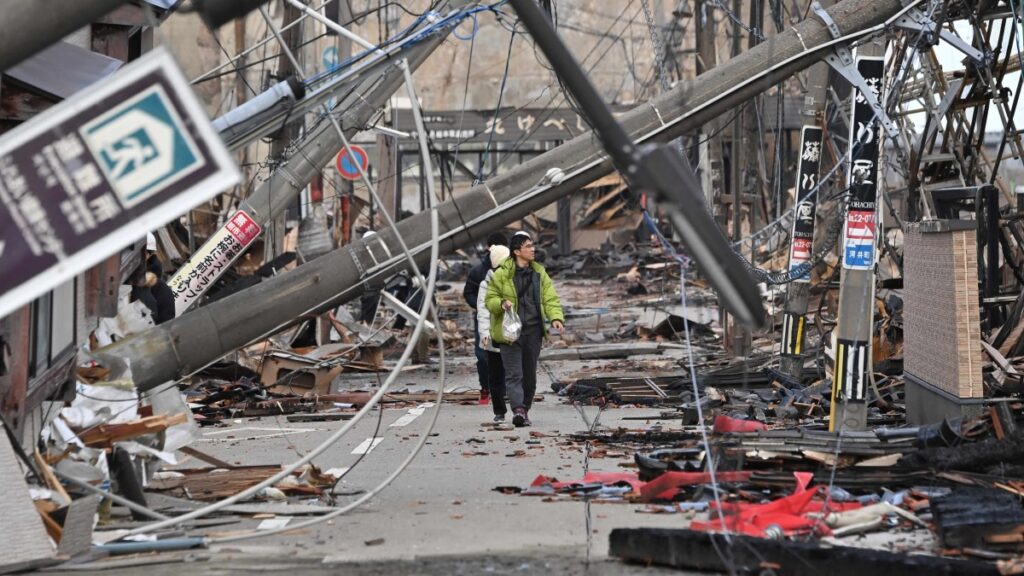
349	162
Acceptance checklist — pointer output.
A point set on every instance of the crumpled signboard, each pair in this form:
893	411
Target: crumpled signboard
93	174
212	260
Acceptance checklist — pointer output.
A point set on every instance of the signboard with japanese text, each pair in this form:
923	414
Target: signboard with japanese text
865	132
193	279
807	172
508	125
93	174
859	240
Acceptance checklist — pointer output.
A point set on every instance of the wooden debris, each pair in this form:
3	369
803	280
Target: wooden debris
105	435
48	476
204	457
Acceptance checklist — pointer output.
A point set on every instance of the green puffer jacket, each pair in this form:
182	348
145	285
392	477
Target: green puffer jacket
502	287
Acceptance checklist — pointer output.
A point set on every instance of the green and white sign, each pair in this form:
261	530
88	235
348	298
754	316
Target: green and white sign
142	146
94	173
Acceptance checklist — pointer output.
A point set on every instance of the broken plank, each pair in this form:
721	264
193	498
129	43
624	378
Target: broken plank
105	435
319	417
49	478
200	455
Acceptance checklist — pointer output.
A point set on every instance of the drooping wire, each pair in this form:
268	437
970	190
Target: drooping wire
497	109
692	367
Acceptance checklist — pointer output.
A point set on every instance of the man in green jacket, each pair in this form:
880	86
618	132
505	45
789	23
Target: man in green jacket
522	285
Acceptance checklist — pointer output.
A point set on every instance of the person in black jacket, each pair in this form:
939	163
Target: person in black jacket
469	294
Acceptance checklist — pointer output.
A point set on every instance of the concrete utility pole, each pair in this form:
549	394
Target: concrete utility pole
240	91
293	39
29	26
742	155
343	188
315	151
794	319
713	174
194	340
857	281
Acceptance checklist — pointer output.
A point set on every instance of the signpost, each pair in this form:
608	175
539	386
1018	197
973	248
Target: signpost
505	125
350	160
859	232
801	248
93	174
211	261
807	178
857	283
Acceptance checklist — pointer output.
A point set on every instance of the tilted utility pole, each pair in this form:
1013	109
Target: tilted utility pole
853	365
194	340
317	149
289	132
794	318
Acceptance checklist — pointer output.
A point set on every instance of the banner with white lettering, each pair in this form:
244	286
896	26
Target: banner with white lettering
865	133
203	269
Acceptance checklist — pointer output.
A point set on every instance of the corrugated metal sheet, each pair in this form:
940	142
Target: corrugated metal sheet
26	542
63	69
792	106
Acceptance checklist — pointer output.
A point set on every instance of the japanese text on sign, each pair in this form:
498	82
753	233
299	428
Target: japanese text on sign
803	217
93	174
862	177
212	260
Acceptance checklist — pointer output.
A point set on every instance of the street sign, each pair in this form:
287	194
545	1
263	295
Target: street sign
862	177
330	57
807	198
93	174
350	160
859	243
211	261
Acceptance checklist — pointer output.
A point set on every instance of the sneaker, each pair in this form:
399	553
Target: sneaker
526	419
519	419
485	397
499	419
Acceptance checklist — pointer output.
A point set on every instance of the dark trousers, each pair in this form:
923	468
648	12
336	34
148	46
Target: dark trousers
520	361
482	371
496	382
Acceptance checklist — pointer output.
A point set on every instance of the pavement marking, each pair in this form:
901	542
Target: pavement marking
288	430
274	523
275	433
368	445
337	472
411	415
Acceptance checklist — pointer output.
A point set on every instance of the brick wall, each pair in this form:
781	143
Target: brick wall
941	315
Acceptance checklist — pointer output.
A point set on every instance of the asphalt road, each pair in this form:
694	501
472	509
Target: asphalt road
443	515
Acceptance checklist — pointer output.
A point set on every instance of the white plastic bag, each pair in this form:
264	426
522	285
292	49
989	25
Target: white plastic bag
511	326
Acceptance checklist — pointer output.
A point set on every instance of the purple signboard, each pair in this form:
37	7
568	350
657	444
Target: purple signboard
93	174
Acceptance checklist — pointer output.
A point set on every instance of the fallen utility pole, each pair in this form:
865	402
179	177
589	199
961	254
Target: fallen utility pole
273	196
652	169
194	340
